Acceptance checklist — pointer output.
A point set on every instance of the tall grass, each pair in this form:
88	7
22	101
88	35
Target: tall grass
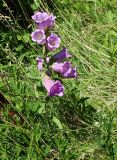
82	124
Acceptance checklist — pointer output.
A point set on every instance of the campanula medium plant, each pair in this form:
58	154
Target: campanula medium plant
45	64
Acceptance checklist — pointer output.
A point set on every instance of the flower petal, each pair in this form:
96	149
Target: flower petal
38	36
62	55
54	88
53	42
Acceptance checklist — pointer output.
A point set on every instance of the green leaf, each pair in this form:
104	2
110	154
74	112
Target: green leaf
115	148
57	122
37	133
19	37
26	38
42	108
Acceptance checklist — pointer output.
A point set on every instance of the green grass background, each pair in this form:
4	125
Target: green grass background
81	125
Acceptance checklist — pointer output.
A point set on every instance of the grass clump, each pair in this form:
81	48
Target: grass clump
82	124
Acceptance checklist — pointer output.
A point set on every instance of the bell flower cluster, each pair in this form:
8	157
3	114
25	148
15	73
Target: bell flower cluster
56	63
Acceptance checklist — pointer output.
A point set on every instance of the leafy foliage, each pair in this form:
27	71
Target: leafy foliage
80	125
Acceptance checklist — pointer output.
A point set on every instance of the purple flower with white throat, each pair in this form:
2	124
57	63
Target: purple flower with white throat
40	62
44	20
39	17
47	23
71	73
62	55
54	63
39	36
53	42
54	88
51	20
61	67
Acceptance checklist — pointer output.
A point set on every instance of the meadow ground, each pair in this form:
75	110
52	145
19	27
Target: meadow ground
81	125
